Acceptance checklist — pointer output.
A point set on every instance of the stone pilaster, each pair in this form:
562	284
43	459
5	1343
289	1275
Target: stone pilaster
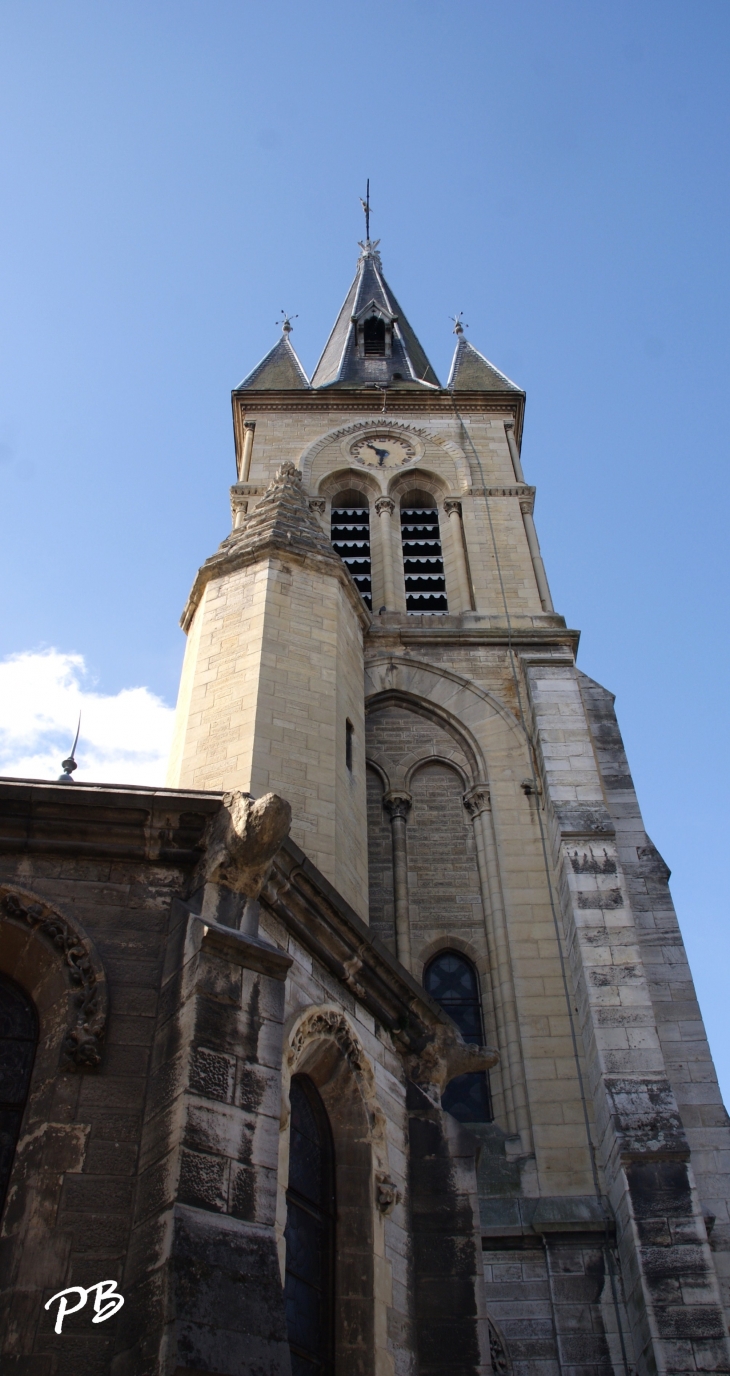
641	1147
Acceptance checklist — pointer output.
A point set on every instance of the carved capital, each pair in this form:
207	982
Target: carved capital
451	505
385	504
317	504
242	840
249	425
397	803
477	800
527	504
239	508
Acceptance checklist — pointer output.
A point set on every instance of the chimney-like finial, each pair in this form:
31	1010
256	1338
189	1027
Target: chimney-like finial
285	322
366	207
459	326
68	766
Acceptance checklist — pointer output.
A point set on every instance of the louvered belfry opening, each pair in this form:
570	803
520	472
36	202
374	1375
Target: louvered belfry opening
374	336
423	563
350	536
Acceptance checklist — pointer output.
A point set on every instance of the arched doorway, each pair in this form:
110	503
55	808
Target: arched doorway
310	1234
453	982
18	1038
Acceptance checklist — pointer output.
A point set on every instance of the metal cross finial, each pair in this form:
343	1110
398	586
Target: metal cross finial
366	207
458	323
68	766
285	322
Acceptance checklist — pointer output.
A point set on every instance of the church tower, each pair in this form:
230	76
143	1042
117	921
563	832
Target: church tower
376	641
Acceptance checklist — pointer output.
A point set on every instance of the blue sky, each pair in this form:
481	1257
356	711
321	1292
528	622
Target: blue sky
174	174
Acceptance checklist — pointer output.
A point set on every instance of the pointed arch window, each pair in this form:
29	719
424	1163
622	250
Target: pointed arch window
310	1234
423	560
18	1039
453	982
350	536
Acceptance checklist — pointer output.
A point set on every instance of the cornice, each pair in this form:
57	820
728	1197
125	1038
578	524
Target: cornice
357	400
522	490
459	632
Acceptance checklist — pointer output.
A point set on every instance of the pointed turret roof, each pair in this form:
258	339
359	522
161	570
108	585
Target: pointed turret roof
280	370
472	372
340	365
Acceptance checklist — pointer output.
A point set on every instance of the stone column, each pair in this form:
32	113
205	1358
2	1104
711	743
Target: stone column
452	507
534	547
509	427
398	805
385	506
249	427
478	804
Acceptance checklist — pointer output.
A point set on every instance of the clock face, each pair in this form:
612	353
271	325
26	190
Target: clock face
383	451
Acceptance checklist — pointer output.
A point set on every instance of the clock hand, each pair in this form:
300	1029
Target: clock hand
381	453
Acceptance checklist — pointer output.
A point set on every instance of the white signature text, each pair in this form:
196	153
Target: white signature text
107	1301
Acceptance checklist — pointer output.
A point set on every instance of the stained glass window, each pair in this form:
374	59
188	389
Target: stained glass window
18	1036
452	981
309	1234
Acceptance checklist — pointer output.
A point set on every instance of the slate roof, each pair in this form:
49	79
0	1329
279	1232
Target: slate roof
280	370
472	372
340	366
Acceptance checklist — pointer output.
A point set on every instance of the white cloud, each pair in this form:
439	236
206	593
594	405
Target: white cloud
125	737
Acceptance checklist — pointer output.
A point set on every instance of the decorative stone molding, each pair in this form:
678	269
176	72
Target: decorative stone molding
417	435
477	800
501	1365
385	504
328	1023
83	1041
317	505
242	840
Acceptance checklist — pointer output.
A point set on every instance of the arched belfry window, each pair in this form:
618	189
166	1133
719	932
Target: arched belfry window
310	1239
18	1037
453	982
423	561
350	535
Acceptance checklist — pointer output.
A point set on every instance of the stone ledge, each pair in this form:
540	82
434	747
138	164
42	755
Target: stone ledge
550	1214
249	952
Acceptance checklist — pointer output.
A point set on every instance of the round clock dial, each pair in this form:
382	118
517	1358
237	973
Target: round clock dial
383	451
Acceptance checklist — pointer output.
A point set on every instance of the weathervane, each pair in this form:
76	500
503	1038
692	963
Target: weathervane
286	325
458	323
68	766
366	207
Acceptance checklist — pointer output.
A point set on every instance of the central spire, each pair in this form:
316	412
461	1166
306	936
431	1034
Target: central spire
372	343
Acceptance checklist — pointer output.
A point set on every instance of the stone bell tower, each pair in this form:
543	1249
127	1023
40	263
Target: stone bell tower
375	640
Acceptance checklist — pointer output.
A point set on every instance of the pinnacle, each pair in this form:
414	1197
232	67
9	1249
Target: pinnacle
282	518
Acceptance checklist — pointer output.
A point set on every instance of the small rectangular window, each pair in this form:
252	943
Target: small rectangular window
349	733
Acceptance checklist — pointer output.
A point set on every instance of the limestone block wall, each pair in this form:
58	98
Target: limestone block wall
476	880
682	1035
273	674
